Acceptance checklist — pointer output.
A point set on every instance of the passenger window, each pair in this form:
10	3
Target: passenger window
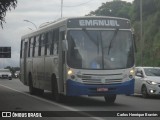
22	48
62	35
50	42
29	46
46	44
56	42
34	44
37	45
43	39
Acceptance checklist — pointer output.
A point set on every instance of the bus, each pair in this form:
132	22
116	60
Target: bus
79	56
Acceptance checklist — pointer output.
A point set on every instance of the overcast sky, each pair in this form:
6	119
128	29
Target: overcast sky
38	11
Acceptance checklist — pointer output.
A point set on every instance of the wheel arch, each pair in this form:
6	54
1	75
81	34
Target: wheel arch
29	78
54	81
143	85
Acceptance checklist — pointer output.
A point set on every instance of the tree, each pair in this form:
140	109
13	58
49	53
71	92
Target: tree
12	69
151	26
114	8
6	5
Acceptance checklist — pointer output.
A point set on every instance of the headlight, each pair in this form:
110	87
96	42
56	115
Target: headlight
131	73
151	82
70	72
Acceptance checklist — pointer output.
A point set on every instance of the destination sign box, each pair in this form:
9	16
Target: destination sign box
99	23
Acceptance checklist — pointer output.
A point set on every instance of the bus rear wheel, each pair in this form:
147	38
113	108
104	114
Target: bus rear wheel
33	90
110	98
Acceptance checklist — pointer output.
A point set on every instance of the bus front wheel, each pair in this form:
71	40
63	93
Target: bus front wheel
110	98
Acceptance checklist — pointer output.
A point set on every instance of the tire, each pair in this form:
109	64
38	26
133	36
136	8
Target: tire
39	91
32	90
144	92
110	98
55	94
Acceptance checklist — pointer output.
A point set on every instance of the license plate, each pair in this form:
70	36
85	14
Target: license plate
102	89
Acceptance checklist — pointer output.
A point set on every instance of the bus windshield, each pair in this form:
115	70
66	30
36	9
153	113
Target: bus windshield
100	49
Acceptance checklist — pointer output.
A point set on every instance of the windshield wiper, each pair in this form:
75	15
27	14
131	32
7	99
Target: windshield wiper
92	39
115	33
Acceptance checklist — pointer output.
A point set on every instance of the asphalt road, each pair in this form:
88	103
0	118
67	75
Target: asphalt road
15	97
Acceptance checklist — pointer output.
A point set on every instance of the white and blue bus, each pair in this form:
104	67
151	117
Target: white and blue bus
77	56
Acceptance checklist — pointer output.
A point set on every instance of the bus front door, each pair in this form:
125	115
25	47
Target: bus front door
61	62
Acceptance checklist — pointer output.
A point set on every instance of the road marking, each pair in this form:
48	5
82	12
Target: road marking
54	103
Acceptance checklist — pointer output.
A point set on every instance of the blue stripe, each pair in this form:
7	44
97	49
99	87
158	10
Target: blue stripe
77	89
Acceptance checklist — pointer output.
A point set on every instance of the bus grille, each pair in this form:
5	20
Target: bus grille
102	78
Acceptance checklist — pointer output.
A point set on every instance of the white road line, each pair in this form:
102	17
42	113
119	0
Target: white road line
53	103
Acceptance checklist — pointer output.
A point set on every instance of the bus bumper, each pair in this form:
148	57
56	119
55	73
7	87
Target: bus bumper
77	89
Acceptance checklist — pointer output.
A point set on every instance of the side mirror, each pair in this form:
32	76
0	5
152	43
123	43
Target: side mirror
64	45
139	74
134	40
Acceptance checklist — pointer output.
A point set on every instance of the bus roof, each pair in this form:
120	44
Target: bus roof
83	17
86	22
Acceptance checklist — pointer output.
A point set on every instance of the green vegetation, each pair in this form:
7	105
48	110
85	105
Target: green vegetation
12	69
151	25
6	5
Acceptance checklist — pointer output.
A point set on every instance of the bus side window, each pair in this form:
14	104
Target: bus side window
21	51
37	46
43	39
46	44
56	42
29	46
34	44
62	35
50	42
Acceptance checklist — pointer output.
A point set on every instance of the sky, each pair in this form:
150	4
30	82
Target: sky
38	12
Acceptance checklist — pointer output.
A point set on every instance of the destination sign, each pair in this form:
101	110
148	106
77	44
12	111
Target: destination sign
98	23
